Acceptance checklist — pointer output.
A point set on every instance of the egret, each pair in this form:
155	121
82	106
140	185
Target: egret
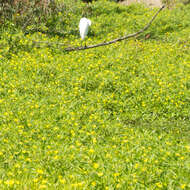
84	27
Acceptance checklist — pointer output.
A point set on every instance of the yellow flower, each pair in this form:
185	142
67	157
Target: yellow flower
100	174
42	187
159	185
95	165
9	182
91	151
35	180
183	186
118	185
116	174
136	165
17	165
80	184
17	182
56	157
44	181
94	140
40	171
62	180
93	183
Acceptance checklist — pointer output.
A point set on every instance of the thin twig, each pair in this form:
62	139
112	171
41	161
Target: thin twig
113	41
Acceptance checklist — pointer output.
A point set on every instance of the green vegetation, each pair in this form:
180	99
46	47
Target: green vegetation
113	117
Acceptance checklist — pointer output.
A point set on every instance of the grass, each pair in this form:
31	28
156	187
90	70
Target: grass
113	117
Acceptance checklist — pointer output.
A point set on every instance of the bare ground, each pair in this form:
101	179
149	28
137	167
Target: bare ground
155	3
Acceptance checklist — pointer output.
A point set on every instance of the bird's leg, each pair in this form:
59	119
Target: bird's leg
85	43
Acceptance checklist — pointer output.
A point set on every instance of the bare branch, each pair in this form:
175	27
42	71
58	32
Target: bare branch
118	39
110	42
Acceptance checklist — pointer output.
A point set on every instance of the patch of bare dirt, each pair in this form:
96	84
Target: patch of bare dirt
153	3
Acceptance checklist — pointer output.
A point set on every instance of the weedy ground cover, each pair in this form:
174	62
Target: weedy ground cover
113	117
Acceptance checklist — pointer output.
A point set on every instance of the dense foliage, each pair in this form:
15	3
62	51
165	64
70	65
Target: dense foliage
113	117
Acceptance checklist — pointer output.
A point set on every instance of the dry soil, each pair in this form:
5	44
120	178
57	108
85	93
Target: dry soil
155	3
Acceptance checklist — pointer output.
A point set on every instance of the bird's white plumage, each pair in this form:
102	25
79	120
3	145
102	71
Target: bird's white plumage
84	27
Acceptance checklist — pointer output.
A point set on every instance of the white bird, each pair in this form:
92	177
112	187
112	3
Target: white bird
84	25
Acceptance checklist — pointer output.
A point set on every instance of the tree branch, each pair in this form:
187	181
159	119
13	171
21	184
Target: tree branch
117	39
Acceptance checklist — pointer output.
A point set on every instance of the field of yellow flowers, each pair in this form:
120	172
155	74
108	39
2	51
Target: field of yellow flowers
113	117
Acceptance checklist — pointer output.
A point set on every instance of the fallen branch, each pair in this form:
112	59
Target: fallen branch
113	41
118	39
